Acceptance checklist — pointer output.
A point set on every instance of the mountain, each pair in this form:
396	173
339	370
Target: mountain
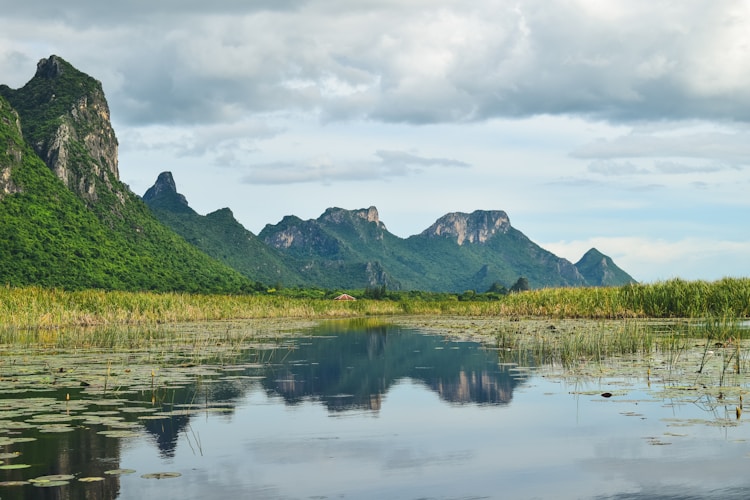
66	219
600	270
354	249
473	251
218	234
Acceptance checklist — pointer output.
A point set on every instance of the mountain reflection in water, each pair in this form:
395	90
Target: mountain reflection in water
351	365
355	369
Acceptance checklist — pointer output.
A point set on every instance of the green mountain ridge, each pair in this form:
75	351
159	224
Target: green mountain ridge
353	249
218	234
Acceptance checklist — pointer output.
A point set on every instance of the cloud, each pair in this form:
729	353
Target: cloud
409	159
731	148
592	184
612	168
391	164
413	62
671	167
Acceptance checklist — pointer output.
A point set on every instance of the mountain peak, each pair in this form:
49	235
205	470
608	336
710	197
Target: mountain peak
164	184
476	227
599	270
51	67
65	118
163	194
338	215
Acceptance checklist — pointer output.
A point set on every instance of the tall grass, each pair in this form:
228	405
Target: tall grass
591	342
34	307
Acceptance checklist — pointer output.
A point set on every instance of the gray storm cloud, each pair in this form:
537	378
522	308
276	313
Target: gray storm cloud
199	62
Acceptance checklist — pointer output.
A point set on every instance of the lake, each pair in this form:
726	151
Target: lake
369	409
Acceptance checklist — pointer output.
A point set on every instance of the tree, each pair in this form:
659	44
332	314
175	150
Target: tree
498	288
521	285
376	292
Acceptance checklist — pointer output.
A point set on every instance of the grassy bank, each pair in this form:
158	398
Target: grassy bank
34	307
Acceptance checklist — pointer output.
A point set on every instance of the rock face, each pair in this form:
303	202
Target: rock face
293	233
66	119
74	224
477	227
11	152
340	215
320	236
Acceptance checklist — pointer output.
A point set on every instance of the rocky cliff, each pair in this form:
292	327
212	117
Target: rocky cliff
66	219
477	227
11	148
164	194
66	119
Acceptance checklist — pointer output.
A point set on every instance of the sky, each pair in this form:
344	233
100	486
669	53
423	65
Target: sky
617	124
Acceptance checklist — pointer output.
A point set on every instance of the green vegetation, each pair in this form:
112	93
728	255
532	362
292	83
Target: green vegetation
345	248
219	235
35	307
52	237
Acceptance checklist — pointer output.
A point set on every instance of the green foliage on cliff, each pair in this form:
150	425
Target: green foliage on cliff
48	97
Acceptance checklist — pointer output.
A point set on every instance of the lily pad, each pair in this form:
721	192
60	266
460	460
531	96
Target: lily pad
161	475
14	483
52	477
92	479
56	428
51	484
119	472
14	466
119	433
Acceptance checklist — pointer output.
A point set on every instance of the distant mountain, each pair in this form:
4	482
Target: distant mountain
473	251
218	234
600	270
66	219
354	249
458	252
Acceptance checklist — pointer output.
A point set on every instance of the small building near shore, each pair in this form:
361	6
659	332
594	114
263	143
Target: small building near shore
344	296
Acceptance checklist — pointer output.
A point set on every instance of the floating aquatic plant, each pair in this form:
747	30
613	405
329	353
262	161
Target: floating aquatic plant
161	475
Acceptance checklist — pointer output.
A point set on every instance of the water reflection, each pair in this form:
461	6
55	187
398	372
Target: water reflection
369	410
353	371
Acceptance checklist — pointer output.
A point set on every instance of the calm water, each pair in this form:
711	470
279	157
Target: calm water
388	412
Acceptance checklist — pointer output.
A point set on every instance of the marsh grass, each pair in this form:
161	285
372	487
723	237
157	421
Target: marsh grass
34	307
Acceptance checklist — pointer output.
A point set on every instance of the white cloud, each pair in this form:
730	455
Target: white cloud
324	170
728	147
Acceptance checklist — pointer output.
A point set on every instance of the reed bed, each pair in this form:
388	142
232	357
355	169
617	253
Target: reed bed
35	307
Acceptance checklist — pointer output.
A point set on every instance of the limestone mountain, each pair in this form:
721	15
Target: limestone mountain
66	120
481	248
477	227
354	249
66	219
344	248
218	234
